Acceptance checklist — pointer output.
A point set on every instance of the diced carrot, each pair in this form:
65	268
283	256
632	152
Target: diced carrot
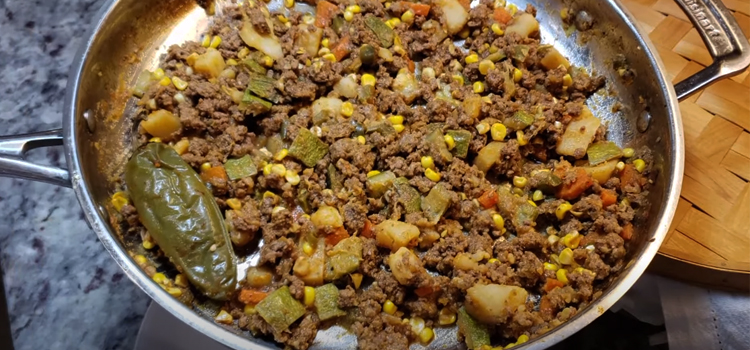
337	236
367	231
410	63
251	296
627	232
628	176
488	199
609	197
546	308
342	48
418	9
324	12
552	284
215	175
466	4
501	15
425	291
574	189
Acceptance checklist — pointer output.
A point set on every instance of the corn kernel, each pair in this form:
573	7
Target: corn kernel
492	261
249	310
538	195
373	173
159	278
361	140
449	141
482	128
179	83
356	279
497	30
309	296
550	266
517	75
368	79
562	209
567	80
329	57
396	120
224	317
478	87
485	66
269	194
571	240
389	307
432	175
499	3
498	131
464	33
522	339
175	292
267	61
119	200
520	181
148	245
158	74
292	177
354	8
278	169
307	248
459	79
473	58
348	16
566	256
215	42
206	41
408	17
427	162
205	166
241	54
562	276
323	51
388	4
521	138
283	19
620	166
180	280
426	335
531	202
289	3
446	317
267	169
140	259
552	239
399	128
234	203
628	152
165	81
639	165
281	154
499	222
277	209
155	140
181	146
512	8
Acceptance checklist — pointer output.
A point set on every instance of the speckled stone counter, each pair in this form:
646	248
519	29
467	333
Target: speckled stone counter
63	289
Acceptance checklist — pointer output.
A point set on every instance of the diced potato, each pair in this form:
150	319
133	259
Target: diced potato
309	38
454	14
210	64
553	59
466	262
494	303
327	217
161	123
347	87
487	156
525	25
311	269
473	107
396	234
603	171
258	277
406	85
406	266
325	108
579	134
267	44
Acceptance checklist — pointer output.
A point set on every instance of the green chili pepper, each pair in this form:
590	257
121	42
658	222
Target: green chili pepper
279	309
308	148
381	30
240	168
475	334
436	203
462	139
180	213
601	152
327	302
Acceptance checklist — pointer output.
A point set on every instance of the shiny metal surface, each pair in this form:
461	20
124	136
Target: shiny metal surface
130	35
12	163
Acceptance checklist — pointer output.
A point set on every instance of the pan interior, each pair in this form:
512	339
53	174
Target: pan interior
134	34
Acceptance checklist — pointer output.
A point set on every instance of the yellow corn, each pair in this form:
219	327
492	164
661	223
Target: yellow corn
520	181
498	220
269	194
215	42
357	280
205	166
140	259
224	317
571	240
550	266
155	140
180	280
267	169
389	307
354	9
347	109
348	16
517	75
459	79
639	165
278	169
538	195
241	54
562	209
277	209
267	61
289	3
249	309
522	339
175	292
620	165
483	128
499	3
119	200
552	239
432	175
492	261
426	335
531	202
309	296
566	256
427	162
485	66
281	154
361	139
497	30
399	128
368	79
498	131
179	83
506	347
567	80
159	278
323	51
292	177
562	276
373	173
329	57
307	248
234	203
628	152
473	58
206	41
165	81
158	74
449	141
464	33
478	87
393	22
521	138
148	245
512	8
181	146
283	19
396	120
408	16
446	317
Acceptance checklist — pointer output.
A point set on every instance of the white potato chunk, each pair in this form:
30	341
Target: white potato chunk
394	234
494	303
579	134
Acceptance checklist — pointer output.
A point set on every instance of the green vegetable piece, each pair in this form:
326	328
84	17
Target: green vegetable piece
475	334
509	85
525	215
520	52
303	200
367	54
601	152
254	105
254	66
496	57
407	195
434	126
334	178
263	87
546	181
344	258
308	148
378	184
519	120
381	30
384	127
338	24
436	144
462	139
279	309
327	302
275	143
182	216
240	168
436	203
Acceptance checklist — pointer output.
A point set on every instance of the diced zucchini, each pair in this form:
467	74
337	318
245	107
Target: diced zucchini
308	148
240	168
462	139
279	309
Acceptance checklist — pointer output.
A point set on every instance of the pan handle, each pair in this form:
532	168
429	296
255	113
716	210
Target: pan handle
12	162
724	39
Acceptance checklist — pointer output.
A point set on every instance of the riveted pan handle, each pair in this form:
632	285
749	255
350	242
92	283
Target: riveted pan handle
12	162
724	39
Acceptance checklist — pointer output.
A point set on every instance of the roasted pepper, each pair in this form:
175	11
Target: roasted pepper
475	334
327	302
381	30
601	152
180	213
308	148
279	309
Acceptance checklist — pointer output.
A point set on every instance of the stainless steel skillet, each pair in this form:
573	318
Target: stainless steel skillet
129	36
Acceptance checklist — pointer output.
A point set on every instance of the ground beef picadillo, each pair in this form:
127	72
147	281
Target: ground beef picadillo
388	92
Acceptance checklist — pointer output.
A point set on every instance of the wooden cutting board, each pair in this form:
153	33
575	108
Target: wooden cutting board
712	226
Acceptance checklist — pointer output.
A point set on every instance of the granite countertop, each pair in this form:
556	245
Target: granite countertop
63	289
